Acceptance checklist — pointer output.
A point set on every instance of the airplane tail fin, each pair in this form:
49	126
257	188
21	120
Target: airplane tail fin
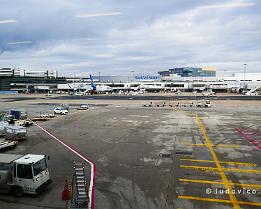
92	84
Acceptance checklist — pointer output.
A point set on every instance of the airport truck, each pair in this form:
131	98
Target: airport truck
18	117
21	174
19	114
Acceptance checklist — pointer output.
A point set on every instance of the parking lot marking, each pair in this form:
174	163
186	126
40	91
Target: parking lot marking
222	162
220	169
93	165
221	183
236	170
218	200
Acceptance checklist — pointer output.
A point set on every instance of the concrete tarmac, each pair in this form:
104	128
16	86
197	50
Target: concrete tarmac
148	157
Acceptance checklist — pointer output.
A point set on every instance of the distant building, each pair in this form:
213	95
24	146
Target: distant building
26	80
184	79
187	72
28	73
6	72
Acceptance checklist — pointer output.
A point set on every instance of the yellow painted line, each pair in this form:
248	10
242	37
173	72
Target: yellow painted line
199	167
243	170
232	197
247	185
250	203
222	162
218	200
218	182
219	145
201	181
237	170
227	145
204	199
214	145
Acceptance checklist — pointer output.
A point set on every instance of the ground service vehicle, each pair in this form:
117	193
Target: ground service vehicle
19	114
19	118
23	174
15	133
7	144
207	103
60	110
83	107
3	124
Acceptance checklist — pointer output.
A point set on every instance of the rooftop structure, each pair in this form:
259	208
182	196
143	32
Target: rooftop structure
188	72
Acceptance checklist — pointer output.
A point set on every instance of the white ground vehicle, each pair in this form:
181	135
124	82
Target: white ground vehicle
60	110
208	93
79	94
23	174
83	107
207	103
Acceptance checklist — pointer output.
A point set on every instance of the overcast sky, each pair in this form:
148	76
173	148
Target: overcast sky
117	37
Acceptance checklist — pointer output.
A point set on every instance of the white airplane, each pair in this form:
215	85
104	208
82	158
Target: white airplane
99	88
93	88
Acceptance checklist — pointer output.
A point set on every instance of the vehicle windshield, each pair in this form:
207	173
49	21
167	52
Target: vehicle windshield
39	167
24	171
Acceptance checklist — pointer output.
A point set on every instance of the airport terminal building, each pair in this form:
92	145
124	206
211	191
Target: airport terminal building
183	79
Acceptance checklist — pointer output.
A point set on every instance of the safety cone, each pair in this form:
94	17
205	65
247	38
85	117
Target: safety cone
66	192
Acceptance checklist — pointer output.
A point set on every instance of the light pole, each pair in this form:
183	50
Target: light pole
244	86
131	72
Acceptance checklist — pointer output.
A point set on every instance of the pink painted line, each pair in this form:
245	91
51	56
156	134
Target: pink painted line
250	134
248	138
86	159
257	142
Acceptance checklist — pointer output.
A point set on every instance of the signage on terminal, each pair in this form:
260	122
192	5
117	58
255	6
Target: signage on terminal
147	77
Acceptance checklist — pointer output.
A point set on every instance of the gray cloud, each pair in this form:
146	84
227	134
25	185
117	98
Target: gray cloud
116	37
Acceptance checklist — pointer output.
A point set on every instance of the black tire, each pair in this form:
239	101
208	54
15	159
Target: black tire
18	191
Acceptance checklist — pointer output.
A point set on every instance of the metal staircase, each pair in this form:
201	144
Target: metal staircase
79	188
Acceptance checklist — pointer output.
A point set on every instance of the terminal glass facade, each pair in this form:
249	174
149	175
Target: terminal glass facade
189	72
